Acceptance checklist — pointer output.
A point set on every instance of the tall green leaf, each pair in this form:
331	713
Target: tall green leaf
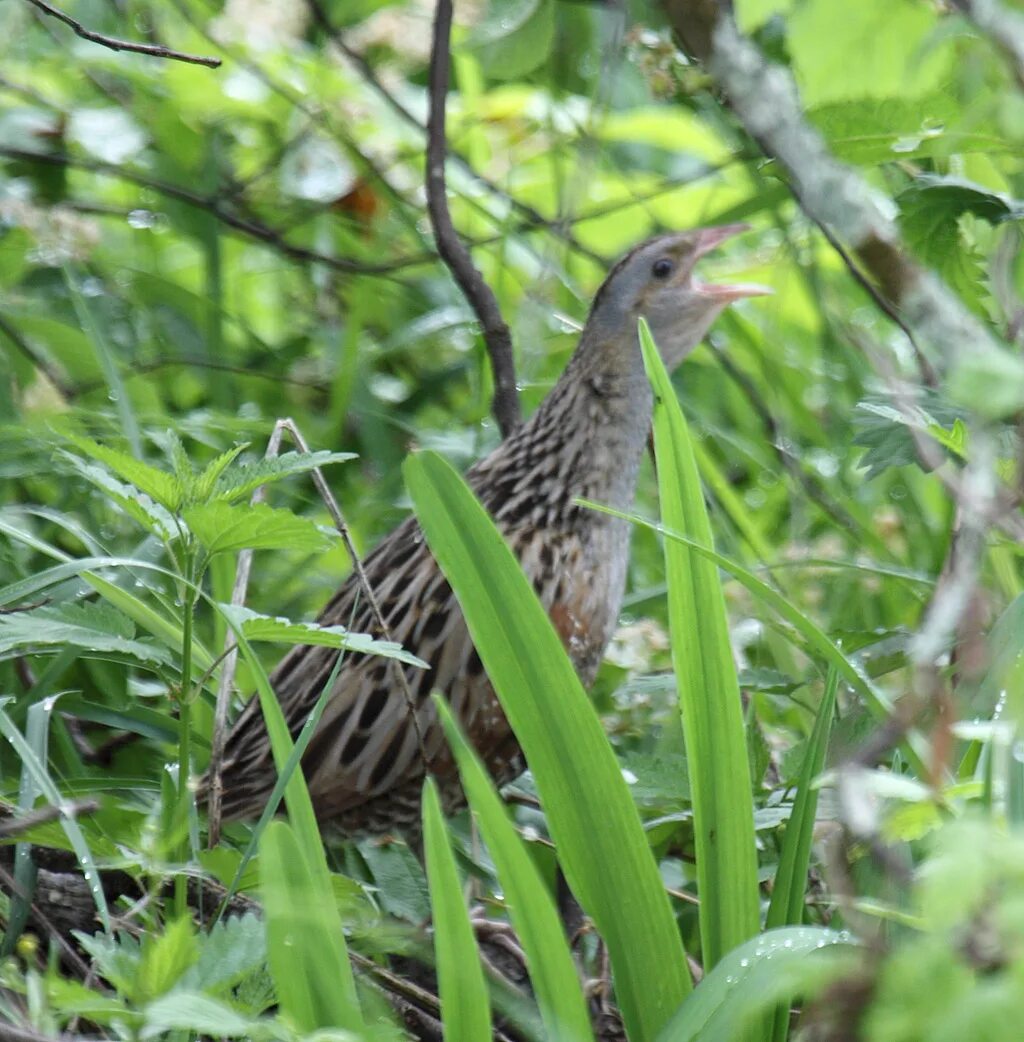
530	905
600	841
787	904
302	843
465	1006
734	995
305	945
709	693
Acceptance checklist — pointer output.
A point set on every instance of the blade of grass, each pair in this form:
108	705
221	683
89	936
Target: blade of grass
787	903
595	826
37	768
108	363
305	945
709	693
530	905
305	838
465	1006
734	995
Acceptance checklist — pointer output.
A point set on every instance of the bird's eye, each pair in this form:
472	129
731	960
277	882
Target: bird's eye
662	268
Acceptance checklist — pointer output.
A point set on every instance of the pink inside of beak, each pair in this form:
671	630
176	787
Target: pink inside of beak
709	239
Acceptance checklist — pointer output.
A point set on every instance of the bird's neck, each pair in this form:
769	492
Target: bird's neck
585	440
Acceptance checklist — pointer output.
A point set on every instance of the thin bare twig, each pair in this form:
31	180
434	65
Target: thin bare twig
505	404
10	827
928	374
115	44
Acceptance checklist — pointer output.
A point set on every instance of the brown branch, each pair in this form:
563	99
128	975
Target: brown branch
764	97
528	214
15	826
114	44
1004	26
497	337
50	371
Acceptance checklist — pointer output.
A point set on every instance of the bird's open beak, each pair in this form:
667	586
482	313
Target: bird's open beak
709	239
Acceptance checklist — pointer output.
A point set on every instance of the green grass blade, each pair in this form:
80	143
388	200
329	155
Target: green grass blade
734	995
787	904
530	905
306	836
595	826
709	693
465	1006
305	945
44	784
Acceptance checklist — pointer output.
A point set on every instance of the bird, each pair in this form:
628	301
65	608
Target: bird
367	759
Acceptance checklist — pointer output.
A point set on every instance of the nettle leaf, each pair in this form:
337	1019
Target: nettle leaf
276	630
137	505
94	627
203	486
115	957
159	485
885	430
242	480
222	527
165	959
930	219
192	1011
233	949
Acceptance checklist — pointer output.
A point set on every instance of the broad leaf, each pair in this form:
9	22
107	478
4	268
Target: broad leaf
595	826
222	527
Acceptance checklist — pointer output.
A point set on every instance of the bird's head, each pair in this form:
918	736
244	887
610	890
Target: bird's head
657	281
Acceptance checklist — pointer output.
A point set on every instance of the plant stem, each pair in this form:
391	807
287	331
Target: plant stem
184	722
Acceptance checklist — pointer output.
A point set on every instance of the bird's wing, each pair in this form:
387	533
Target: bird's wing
366	740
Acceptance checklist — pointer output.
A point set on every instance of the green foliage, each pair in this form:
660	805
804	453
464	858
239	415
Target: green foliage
708	689
586	801
188	254
464	1004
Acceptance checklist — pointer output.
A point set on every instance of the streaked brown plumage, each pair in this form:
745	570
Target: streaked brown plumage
364	766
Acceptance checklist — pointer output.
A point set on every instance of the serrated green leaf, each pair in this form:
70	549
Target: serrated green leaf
137	505
204	484
283	631
165	958
240	481
930	212
94	627
233	948
192	1011
157	484
183	469
223	527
